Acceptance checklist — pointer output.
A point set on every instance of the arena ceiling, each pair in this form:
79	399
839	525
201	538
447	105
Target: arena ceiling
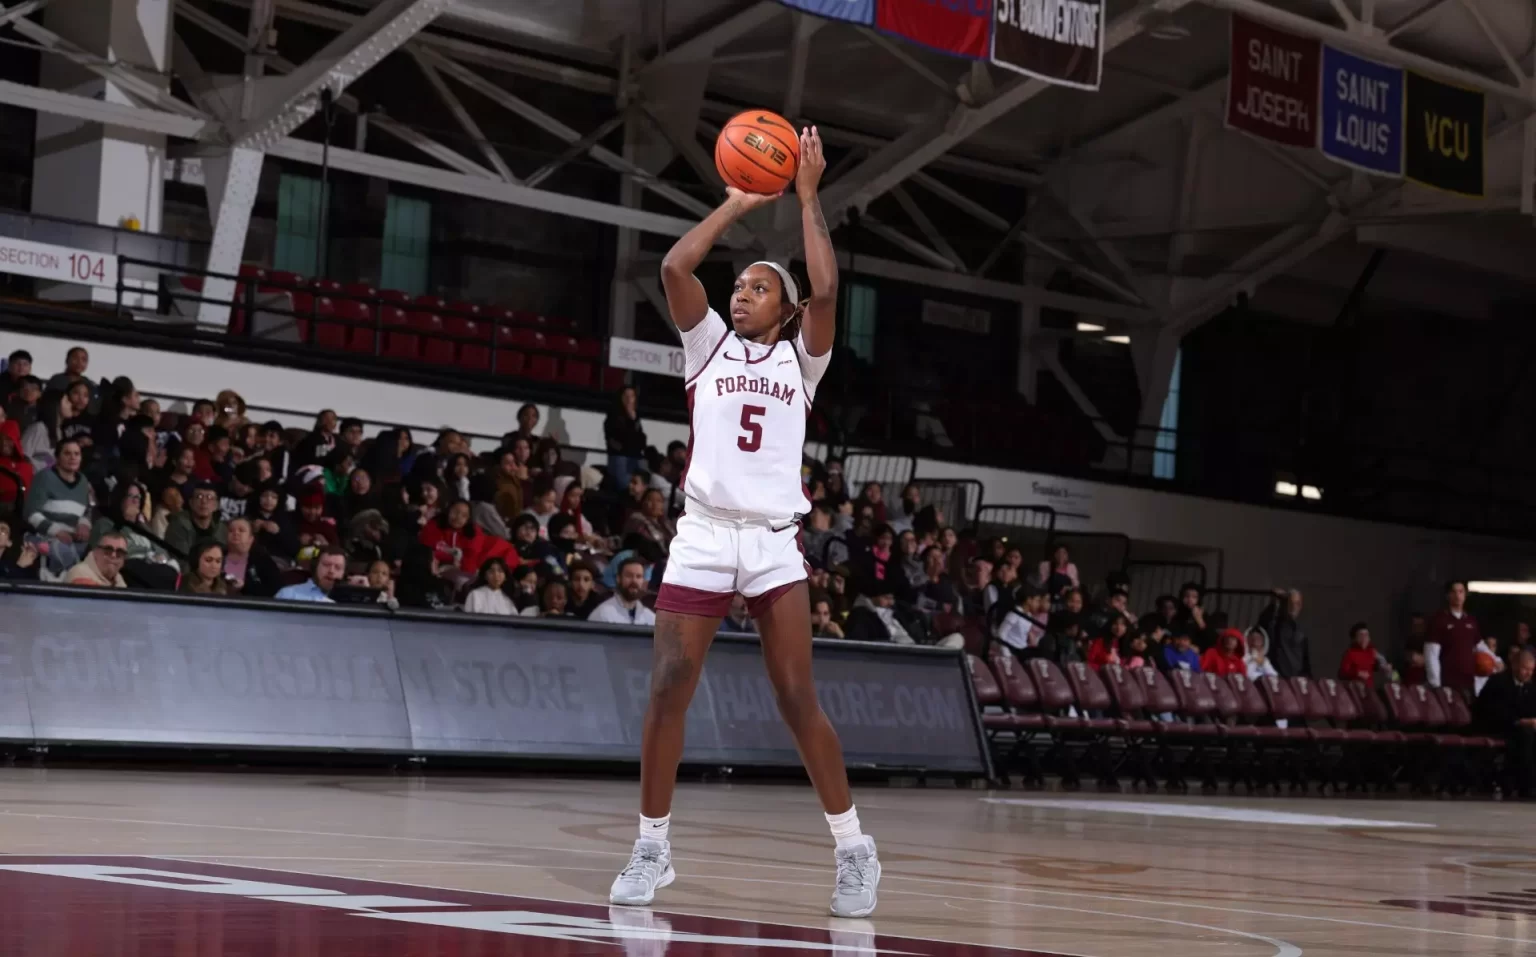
1160	215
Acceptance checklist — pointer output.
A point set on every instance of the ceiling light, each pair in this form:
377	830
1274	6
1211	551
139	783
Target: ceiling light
1118	340
1312	492
1502	588
1089	327
1285	488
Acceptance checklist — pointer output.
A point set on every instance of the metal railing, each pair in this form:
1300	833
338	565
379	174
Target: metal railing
1152	580
958	500
893	472
1243	606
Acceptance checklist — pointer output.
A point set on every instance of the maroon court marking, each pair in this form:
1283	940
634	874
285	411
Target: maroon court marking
110	905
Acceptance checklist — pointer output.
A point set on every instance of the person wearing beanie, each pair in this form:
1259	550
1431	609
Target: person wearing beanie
315	528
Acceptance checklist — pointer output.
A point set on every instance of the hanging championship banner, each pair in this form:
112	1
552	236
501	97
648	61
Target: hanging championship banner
1444	136
854	11
958	27
1059	41
1362	113
1272	85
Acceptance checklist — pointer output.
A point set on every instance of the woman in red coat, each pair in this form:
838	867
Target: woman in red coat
1226	656
456	541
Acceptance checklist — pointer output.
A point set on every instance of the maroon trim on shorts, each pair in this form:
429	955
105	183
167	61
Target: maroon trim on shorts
758	607
683	600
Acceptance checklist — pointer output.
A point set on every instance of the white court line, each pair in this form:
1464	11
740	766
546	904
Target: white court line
737	862
1202	812
1282	948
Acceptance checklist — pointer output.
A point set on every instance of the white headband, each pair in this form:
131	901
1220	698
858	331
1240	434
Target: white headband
791	291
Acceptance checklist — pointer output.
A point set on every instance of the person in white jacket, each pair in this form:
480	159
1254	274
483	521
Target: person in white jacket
1257	661
489	596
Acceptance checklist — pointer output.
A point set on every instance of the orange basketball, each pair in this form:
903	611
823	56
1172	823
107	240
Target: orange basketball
1484	663
758	152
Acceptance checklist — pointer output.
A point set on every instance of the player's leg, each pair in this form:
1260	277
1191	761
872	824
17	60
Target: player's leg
695	594
784	622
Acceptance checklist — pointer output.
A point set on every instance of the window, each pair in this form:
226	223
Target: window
298	226
861	321
1165	459
407	245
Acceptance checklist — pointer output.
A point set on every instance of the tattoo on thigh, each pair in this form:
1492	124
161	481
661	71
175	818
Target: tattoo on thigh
670	665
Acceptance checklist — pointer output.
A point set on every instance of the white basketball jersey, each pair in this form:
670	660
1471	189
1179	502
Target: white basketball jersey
747	406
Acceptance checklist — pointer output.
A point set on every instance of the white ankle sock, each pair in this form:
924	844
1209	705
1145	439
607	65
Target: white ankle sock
656	828
845	827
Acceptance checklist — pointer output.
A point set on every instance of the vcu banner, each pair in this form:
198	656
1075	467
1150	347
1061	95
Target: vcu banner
958	27
1272	86
1362	113
1059	41
854	11
1444	136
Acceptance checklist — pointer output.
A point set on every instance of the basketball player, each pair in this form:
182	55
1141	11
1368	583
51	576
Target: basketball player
750	385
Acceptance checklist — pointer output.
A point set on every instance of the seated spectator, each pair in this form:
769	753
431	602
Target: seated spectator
248	567
421	584
1180	654
18	558
525	590
214	463
1189	618
76	361
1027	618
510	479
315	528
337	469
330	568
651	520
13	460
1005	578
1361	659
103	567
170	505
149	565
1225	657
630	498
839	592
816	531
554	600
273	524
243	482
1063	640
822	623
544	505
879	563
738	621
1506	707
1521	641
23	405
1133	653
1058	573
205	571
456	541
625	607
1486	661
1256	661
456	476
978	575
571	494
178	471
910	557
58	507
873	617
906	509
1105	647
489	595
199	523
18	366
314	447
584	597
381	581
529	546
937	592
873	496
527	424
624	437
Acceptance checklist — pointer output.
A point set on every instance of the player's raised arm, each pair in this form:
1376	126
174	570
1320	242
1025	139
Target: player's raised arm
685	294
818	324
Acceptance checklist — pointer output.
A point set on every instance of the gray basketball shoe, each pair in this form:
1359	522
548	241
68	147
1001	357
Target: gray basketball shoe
858	879
649	870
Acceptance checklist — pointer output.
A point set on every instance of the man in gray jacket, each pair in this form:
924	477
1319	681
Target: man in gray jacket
1288	649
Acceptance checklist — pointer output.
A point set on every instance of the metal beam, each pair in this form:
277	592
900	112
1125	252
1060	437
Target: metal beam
960	201
578	148
1415	18
375	35
22	10
901	240
493	190
1372	46
928	141
688	148
702	45
100	111
1472	7
799	54
899	52
1052	362
926	227
232	180
456	107
117	74
1131	291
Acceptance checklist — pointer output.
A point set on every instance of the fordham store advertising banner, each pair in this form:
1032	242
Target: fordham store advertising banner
854	11
1362	113
958	27
1272	87
1060	41
1444	136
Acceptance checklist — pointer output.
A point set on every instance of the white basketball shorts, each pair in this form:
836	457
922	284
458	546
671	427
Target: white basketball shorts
713	559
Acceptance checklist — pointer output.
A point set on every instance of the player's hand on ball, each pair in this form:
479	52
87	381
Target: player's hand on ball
749	201
813	163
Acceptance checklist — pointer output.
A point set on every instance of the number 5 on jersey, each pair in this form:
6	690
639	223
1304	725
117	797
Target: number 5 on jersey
753	440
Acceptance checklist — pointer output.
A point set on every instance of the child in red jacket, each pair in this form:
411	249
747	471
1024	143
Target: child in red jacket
1105	648
1226	656
1360	659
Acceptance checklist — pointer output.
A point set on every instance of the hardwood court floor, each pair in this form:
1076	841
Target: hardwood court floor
486	858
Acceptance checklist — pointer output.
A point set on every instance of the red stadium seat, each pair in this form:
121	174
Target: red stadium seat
589	348
613	380
562	344
357	331
576	372
398	342
436	348
509	362
475	354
